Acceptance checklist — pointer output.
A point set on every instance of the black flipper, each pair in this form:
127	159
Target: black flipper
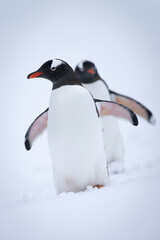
117	110
134	105
35	129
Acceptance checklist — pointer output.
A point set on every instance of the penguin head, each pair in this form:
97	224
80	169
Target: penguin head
86	72
57	71
51	70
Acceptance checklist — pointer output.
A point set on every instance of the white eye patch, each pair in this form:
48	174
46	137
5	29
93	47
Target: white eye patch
55	64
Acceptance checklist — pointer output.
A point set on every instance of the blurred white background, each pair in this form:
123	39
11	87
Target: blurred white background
121	37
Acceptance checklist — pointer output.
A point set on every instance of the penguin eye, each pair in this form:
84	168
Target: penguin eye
53	69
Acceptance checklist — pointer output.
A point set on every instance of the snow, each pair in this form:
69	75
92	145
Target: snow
126	209
123	42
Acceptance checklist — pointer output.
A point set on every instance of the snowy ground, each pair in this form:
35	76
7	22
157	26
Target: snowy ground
127	209
122	38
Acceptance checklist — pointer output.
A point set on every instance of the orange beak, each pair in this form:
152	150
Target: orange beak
33	75
91	71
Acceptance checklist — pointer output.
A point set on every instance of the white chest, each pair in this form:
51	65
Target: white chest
98	90
112	136
75	140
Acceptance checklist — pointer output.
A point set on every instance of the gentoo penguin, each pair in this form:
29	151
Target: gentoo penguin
88	75
74	129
